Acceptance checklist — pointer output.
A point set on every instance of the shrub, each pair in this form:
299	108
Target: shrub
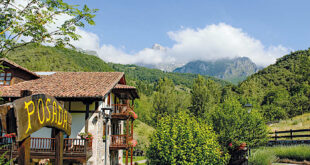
234	124
180	139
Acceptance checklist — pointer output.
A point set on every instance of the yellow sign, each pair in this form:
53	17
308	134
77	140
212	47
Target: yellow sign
37	111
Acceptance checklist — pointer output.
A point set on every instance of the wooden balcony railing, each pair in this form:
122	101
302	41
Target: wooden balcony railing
42	144
5	144
46	147
75	145
119	108
121	111
119	141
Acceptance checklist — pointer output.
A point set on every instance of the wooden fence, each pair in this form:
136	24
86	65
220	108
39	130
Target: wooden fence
289	137
279	134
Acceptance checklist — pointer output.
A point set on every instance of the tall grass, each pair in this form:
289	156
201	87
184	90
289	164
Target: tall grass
297	122
298	152
268	155
262	157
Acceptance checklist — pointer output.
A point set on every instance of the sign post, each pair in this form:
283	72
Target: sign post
37	111
24	151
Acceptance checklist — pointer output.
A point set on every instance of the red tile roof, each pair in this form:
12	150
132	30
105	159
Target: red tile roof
4	60
67	85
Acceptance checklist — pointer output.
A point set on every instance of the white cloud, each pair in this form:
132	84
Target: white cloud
210	43
222	41
88	40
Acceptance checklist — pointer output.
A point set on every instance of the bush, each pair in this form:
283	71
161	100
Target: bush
234	124
182	140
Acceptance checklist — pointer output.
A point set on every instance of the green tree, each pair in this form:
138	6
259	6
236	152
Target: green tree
164	97
233	123
32	21
167	100
205	96
180	139
143	107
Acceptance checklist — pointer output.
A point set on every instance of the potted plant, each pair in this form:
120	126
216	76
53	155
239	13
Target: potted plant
87	136
132	143
10	135
133	115
242	146
104	138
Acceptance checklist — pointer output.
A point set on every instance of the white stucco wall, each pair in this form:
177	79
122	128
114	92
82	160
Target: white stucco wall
78	124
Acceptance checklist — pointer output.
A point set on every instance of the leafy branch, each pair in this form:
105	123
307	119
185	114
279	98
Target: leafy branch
31	23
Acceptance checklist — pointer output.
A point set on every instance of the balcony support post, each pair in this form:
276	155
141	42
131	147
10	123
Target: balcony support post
24	151
131	138
86	117
59	138
126	156
127	137
131	153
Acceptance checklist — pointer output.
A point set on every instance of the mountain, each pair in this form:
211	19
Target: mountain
147	75
162	66
233	70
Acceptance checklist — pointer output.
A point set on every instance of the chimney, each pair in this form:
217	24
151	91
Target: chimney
25	93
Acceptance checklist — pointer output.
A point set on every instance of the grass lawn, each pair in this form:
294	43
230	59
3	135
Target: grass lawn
269	155
135	158
298	122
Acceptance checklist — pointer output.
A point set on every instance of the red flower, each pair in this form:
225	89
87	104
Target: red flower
135	116
133	143
230	144
11	135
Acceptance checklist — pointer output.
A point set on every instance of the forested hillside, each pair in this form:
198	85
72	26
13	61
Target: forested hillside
45	58
281	90
147	75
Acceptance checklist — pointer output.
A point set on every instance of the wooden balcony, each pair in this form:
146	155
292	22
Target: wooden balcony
45	148
119	142
121	111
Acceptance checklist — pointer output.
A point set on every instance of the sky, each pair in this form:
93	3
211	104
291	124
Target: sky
187	30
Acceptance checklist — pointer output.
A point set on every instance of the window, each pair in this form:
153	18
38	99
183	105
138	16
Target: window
5	78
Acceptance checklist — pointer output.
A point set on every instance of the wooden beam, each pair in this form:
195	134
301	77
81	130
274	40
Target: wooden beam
131	128
59	138
127	136
86	117
131	138
96	106
131	153
69	106
126	157
24	151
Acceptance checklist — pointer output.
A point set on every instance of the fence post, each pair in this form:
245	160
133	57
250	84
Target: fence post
291	134
275	137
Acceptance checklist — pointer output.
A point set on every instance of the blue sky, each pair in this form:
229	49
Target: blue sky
130	26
